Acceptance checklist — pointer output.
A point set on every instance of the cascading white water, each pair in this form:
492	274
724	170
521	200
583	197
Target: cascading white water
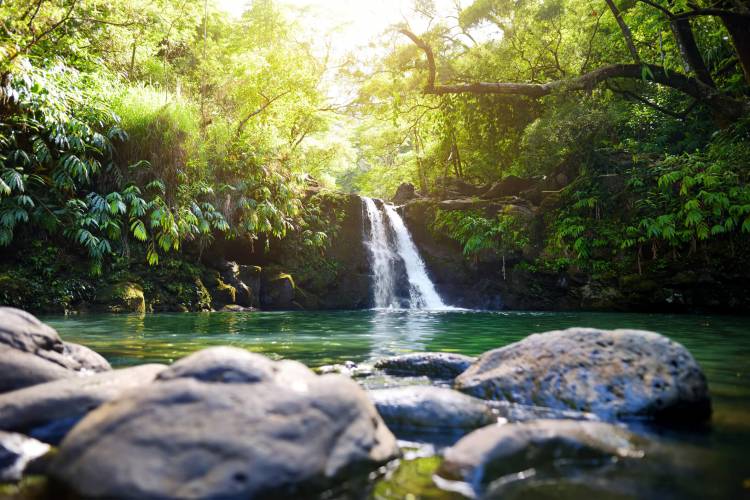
421	289
382	256
386	254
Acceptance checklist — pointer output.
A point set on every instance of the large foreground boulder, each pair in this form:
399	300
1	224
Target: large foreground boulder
48	411
496	451
33	353
209	429
440	365
617	373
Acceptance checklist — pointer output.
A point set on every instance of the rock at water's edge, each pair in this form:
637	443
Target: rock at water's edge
499	450
32	352
617	373
290	431
425	407
441	365
48	411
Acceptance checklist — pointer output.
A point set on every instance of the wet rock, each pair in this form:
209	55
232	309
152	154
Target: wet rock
232	274
405	192
16	451
192	434
48	411
496	451
277	291
430	408
348	368
617	373
441	365
249	292
32	352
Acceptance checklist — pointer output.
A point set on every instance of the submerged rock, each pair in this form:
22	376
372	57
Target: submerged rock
16	451
32	352
425	407
441	365
254	428
617	373
348	368
48	411
503	450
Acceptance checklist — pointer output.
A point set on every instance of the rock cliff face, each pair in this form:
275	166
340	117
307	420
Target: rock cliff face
293	276
487	282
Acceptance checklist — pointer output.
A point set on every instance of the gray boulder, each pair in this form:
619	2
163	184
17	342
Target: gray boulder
16	451
48	411
33	353
497	451
440	365
193	435
20	369
618	373
222	364
426	407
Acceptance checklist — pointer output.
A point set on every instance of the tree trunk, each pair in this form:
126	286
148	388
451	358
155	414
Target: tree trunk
691	56
626	33
738	29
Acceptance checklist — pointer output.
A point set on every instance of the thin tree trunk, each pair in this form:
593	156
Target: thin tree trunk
132	59
691	56
626	33
739	30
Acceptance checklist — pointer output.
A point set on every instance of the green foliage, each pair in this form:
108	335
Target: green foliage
667	208
698	196
477	233
206	135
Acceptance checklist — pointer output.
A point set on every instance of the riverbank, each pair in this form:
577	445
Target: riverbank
517	263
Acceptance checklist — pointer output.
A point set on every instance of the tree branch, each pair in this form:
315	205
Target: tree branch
722	104
46	32
243	122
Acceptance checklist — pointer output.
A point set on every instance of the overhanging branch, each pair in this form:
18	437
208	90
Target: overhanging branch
587	81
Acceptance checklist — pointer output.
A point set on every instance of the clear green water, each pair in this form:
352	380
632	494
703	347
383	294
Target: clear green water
713	462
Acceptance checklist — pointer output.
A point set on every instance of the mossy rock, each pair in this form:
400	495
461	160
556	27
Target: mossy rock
637	283
223	293
413	479
121	297
277	290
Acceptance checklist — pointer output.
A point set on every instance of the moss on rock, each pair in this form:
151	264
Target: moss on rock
121	297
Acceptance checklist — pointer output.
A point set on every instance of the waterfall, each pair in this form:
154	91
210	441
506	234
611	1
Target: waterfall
382	258
391	246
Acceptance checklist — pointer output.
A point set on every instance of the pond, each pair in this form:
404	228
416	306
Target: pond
709	462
